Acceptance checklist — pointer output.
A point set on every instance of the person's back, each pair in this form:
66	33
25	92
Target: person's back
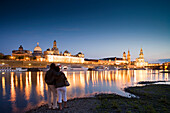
49	79
61	88
60	80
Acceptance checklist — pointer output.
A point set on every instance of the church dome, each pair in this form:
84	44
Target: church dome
37	48
66	51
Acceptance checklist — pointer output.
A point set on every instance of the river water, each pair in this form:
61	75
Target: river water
21	91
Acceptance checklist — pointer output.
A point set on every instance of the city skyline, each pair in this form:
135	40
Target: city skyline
96	28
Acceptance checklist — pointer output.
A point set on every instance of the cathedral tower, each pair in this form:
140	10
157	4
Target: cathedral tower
54	44
141	54
129	57
55	49
124	56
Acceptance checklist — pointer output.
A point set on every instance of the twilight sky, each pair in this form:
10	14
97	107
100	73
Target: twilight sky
98	28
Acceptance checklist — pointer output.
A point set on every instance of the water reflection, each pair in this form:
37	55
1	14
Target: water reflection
13	93
3	86
28	85
24	90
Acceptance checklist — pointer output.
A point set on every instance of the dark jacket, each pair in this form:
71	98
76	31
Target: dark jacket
50	76
60	80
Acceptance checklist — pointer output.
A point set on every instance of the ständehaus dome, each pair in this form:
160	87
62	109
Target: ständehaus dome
37	48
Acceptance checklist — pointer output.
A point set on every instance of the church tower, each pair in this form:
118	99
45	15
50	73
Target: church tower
54	44
129	57
141	54
55	49
124	56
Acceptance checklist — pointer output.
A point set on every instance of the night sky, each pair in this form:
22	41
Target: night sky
98	28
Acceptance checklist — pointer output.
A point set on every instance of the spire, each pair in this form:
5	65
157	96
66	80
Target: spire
124	56
128	57
54	44
128	52
141	51
37	44
141	54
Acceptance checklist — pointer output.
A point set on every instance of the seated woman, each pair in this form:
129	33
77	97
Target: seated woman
61	88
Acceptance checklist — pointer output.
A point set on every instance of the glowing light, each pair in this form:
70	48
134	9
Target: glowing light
28	86
21	84
13	93
16	81
3	86
41	87
27	58
12	57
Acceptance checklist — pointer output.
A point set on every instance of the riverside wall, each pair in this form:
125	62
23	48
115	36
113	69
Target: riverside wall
43	64
24	64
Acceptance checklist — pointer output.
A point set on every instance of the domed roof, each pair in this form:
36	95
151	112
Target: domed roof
37	48
66	51
80	53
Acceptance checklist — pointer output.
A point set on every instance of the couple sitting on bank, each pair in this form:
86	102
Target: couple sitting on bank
55	80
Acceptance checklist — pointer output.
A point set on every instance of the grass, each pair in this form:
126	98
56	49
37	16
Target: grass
153	99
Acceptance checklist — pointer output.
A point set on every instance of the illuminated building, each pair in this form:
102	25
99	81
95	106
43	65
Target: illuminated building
117	61
166	66
140	63
37	51
80	54
66	53
21	53
124	56
114	61
52	55
64	59
129	57
53	51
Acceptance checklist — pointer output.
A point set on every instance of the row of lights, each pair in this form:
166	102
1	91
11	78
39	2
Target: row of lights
28	64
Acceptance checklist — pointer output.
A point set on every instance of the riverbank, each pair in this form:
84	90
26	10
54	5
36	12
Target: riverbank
153	98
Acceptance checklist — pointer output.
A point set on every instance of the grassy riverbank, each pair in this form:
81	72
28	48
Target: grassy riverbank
153	99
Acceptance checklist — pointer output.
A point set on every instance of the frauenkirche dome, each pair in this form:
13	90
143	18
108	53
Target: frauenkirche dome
37	48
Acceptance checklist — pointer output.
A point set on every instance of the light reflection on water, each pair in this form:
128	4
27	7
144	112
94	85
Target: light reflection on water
21	91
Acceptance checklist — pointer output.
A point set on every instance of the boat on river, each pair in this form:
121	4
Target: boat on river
21	69
73	68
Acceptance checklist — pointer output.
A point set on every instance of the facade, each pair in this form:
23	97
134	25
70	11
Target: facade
52	55
114	61
166	66
53	51
64	59
117	61
140	63
21	53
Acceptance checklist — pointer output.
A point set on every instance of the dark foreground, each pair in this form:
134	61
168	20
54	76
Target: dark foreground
153	99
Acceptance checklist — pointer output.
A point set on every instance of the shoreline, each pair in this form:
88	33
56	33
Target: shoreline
152	98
